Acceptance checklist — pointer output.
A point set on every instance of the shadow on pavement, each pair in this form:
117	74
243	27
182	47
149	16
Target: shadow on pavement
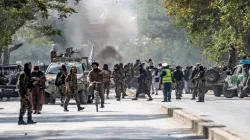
103	133
87	118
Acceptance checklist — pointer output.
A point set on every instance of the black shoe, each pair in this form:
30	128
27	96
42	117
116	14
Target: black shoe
80	108
38	112
34	112
150	99
66	109
102	105
90	101
199	101
61	104
156	94
118	99
192	98
135	99
164	101
169	100
107	97
30	121
21	122
123	96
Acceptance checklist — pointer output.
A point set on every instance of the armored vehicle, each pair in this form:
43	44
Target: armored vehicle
237	80
83	68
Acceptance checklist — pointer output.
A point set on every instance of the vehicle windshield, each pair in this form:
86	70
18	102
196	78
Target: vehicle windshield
54	68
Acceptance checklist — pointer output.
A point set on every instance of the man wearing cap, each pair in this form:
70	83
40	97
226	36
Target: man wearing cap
167	79
71	89
178	78
60	82
37	91
96	75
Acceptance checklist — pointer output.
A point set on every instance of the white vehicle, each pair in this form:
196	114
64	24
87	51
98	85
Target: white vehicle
51	92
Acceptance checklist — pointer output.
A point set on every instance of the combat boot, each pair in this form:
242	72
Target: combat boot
66	108
79	108
21	121
30	121
199	100
118	99
135	98
102	105
150	99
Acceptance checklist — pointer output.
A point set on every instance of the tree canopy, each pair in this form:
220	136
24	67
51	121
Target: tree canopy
211	25
18	13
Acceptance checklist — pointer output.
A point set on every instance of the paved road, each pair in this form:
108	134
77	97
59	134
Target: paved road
234	112
119	120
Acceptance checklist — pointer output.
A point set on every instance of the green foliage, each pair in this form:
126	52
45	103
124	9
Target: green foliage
17	13
211	25
159	39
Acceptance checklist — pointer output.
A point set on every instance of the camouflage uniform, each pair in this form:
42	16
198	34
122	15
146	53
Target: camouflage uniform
123	81
71	79
179	88
232	62
24	85
106	81
127	76
61	85
149	79
118	83
201	86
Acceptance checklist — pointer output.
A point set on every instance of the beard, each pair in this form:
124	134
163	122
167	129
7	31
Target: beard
95	69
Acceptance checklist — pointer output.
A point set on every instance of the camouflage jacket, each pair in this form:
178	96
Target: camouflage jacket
117	77
24	83
72	79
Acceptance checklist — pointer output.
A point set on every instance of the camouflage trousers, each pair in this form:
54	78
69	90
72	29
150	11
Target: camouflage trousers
25	104
201	89
179	89
107	87
123	87
62	92
118	90
194	90
149	84
73	91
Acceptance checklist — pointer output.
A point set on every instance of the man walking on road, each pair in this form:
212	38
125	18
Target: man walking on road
201	80
167	80
71	88
60	82
194	83
178	78
142	87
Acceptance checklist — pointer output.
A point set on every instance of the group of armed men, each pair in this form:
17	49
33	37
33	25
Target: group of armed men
146	80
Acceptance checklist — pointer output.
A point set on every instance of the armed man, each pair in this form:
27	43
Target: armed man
106	79
118	79
25	86
178	78
60	83
124	78
201	80
194	83
232	60
71	89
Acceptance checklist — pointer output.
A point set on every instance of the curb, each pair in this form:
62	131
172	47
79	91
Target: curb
203	127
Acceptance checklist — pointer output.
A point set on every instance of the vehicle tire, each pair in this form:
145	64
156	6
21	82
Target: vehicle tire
46	98
212	75
240	92
227	93
217	91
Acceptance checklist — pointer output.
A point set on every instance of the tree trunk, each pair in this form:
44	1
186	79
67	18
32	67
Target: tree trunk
7	51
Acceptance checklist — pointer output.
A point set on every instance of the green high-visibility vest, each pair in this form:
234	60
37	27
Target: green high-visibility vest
167	78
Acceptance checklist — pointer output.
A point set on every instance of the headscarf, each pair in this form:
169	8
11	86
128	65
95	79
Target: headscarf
105	67
53	48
